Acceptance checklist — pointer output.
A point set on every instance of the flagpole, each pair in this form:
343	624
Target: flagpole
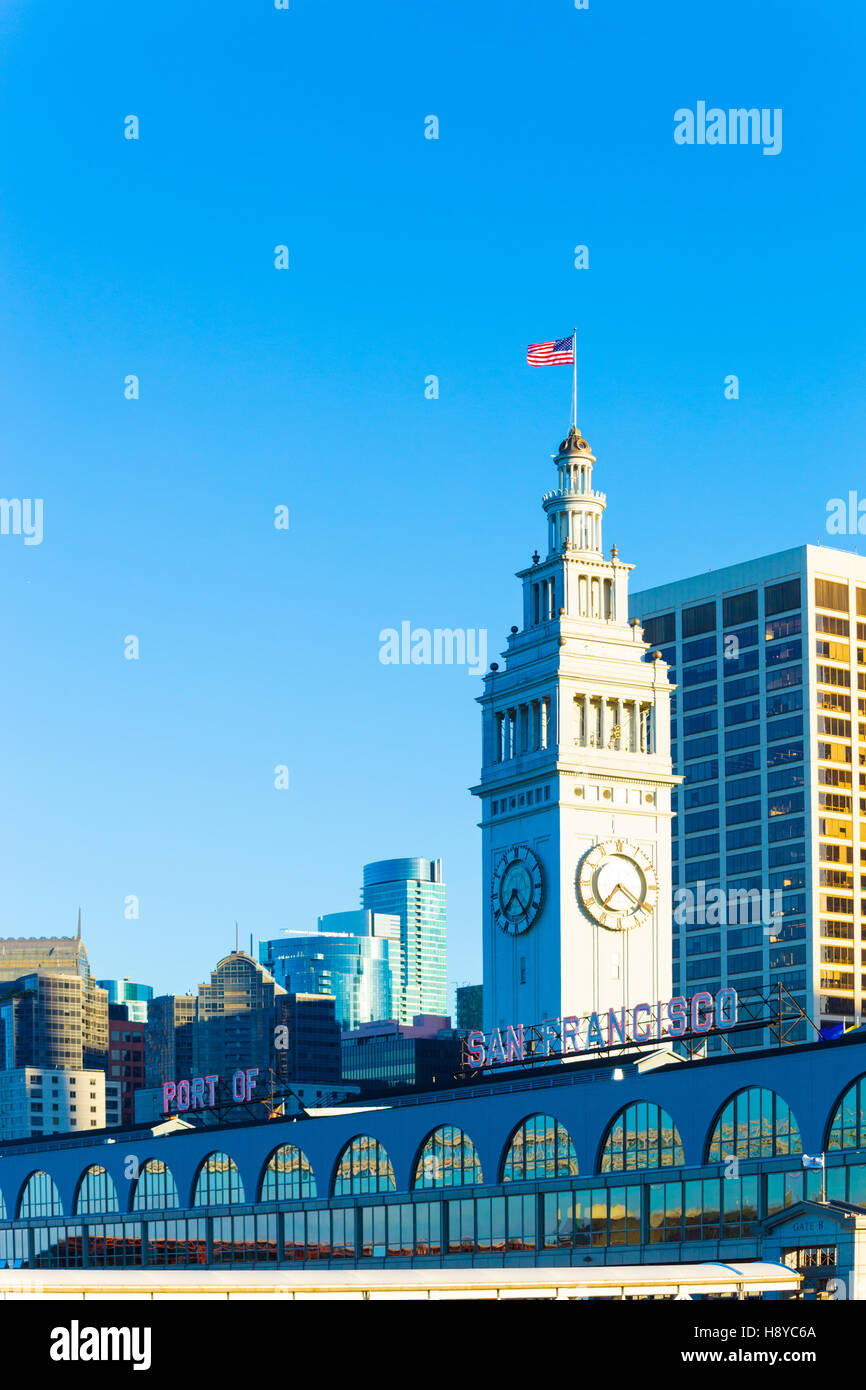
574	383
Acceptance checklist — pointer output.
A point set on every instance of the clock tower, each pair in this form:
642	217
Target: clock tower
576	782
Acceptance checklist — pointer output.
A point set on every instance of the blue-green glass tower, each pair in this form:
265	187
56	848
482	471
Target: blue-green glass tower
413	890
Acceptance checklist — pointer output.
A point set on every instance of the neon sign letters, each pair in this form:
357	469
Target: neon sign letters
558	1037
190	1095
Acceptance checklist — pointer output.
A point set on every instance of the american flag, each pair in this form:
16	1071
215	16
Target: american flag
558	353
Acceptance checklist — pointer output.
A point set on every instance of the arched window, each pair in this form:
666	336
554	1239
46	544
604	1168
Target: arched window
848	1125
448	1159
96	1192
3	1216
39	1197
287	1176
219	1182
540	1147
755	1123
641	1136
155	1188
364	1166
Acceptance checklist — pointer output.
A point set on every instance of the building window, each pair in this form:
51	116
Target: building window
96	1192
448	1159
740	608
288	1176
155	1188
781	598
540	1148
830	594
641	1136
364	1166
848	1125
755	1123
219	1182
700	619
658	631
39	1197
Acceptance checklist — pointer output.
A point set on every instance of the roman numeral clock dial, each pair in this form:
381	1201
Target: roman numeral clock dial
517	889
617	885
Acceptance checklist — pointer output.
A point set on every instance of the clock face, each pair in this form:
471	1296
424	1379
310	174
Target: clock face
617	885
516	889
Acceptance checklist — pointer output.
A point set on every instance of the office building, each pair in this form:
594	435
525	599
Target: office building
469	1011
50	1021
768	731
413	890
52	1011
126	1054
134	998
168	1039
37	1101
354	956
425	1053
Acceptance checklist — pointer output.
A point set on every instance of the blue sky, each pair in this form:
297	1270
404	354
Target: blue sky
305	387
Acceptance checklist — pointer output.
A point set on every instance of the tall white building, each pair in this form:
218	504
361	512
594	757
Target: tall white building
576	782
769	732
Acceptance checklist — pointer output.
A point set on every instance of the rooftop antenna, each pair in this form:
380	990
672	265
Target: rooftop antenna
78	933
236	936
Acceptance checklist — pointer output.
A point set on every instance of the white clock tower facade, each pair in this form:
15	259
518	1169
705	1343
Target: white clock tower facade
576	783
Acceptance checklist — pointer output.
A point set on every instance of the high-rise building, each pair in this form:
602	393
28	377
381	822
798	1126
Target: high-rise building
168	1040
768	728
469	1011
413	890
53	1021
126	1053
354	956
576	782
237	984
125	993
242	1018
55	1014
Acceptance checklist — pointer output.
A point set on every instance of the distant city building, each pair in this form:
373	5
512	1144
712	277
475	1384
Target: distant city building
53	1021
126	1061
769	658
168	1040
237	984
45	1100
426	1052
135	997
226	1044
468	1014
52	1011
114	1104
242	1019
354	956
413	890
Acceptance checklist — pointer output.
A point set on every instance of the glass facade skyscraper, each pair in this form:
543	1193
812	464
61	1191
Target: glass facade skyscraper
413	890
135	998
354	956
768	730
